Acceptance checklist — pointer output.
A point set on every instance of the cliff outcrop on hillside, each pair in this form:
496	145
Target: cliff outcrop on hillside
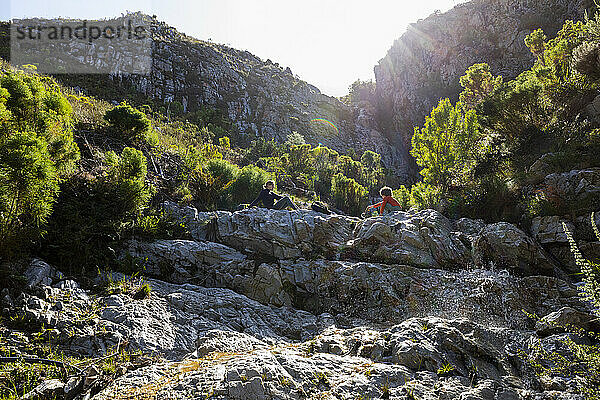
426	62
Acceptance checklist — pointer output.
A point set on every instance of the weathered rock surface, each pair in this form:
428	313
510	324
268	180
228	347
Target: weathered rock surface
271	233
550	229
272	304
386	293
424	238
506	246
294	327
420	357
579	188
167	323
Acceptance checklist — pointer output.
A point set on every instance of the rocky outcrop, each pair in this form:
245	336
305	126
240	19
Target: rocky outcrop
579	189
506	246
426	62
257	309
423	239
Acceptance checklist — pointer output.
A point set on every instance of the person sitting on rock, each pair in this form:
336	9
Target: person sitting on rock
272	200
387	205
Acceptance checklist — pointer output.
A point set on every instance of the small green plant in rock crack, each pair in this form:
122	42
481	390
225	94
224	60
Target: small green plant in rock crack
320	378
284	381
410	394
244	378
133	285
385	390
143	292
311	348
446	369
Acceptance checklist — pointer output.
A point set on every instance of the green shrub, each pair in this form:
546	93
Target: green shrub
247	185
445	144
348	194
350	168
223	174
478	83
222	171
36	152
403	196
28	187
224	142
143	292
56	102
589	270
425	196
94	213
132	124
125	182
294	139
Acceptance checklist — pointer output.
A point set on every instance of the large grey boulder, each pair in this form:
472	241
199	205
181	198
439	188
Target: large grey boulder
503	245
564	319
549	230
181	261
579	188
40	273
271	233
425	238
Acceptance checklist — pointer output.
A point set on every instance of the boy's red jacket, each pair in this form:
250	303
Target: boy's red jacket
386	200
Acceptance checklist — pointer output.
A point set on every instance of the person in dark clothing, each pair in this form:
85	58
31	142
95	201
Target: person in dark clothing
272	200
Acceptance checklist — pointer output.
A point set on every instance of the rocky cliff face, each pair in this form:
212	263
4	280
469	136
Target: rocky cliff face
263	304
426	62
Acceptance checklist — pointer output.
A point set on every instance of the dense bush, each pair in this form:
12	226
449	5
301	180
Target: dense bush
94	213
348	194
28	187
445	144
131	124
478	83
125	183
36	152
247	185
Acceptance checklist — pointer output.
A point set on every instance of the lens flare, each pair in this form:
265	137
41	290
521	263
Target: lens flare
325	121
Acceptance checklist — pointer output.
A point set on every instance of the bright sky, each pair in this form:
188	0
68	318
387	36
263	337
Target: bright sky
328	43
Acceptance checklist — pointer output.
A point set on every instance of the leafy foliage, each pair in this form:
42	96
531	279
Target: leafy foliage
478	84
95	212
348	194
445	143
36	152
131	124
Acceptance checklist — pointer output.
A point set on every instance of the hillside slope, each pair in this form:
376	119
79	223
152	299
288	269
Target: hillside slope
260	98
